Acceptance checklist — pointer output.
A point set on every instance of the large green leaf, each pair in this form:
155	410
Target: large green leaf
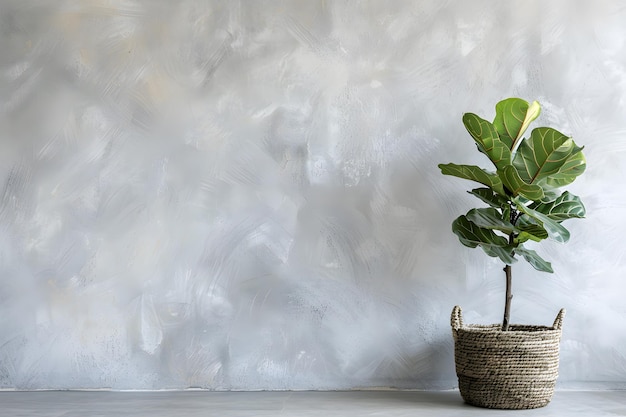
489	218
572	168
502	253
488	196
566	206
471	235
535	260
555	230
550	194
546	154
530	231
474	173
486	136
517	186
513	116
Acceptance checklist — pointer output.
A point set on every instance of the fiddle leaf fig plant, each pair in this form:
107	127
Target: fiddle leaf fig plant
521	189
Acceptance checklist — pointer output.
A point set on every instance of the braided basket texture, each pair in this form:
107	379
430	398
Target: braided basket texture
516	369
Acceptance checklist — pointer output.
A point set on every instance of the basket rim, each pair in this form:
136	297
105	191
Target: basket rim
513	329
456	321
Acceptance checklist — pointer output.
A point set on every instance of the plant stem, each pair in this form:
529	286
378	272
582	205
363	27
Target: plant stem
513	217
507	272
509	296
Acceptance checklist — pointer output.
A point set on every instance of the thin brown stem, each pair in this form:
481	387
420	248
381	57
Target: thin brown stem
507	272
509	297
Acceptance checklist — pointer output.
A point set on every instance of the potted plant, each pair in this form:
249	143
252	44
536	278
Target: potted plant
514	366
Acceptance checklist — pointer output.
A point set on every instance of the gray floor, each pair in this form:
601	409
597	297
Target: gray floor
326	404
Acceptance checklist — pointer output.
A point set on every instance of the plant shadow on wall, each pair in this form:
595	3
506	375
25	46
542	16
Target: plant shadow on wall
512	366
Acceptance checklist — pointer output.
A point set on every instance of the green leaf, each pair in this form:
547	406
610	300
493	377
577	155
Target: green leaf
572	168
488	196
513	116
535	260
550	194
555	230
471	235
502	253
566	206
530	231
517	186
474	173
489	218
486	136
548	153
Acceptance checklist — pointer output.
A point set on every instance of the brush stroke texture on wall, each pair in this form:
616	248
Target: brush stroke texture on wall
244	194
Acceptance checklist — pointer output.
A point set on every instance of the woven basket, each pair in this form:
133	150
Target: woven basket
516	369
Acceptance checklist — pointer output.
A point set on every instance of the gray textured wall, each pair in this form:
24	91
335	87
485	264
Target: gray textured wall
244	194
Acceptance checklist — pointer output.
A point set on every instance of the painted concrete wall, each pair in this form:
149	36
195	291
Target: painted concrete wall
244	194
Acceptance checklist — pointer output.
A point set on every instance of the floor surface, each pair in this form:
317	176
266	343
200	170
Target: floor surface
325	404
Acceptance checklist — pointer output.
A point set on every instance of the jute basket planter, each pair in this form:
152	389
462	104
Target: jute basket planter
515	369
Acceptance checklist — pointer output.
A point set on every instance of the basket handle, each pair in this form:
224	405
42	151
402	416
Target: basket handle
558	321
456	319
